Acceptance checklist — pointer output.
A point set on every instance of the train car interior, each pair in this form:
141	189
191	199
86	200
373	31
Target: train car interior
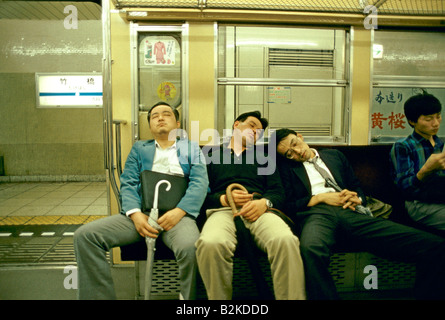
77	79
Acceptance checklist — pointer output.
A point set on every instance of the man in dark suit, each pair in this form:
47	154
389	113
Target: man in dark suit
329	218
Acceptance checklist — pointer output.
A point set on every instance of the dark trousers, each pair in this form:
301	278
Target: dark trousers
325	226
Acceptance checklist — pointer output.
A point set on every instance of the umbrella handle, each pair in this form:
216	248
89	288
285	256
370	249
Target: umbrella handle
230	198
155	201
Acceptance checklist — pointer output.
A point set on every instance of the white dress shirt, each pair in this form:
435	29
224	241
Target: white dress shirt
317	181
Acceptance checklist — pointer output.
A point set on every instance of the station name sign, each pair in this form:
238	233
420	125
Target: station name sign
69	90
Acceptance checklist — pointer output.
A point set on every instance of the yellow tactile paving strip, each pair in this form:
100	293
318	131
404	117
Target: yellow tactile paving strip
45	220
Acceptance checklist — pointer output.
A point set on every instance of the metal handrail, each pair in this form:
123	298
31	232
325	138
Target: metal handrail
283	82
107	101
117	125
118	166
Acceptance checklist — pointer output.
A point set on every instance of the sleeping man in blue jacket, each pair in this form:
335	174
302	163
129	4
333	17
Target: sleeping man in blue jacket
164	154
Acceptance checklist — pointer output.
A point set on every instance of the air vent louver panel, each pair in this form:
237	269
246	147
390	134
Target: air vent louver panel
301	58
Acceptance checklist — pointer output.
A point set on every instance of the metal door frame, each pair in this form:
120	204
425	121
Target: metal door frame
135	29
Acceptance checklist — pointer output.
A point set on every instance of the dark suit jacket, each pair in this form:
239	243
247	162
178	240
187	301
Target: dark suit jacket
297	185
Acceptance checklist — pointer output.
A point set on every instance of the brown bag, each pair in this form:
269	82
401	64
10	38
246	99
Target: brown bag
378	208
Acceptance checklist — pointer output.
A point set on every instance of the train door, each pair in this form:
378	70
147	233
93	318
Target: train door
157	72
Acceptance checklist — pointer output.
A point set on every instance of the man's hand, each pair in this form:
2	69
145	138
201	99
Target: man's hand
330	198
171	218
252	210
345	199
142	226
240	198
434	163
350	199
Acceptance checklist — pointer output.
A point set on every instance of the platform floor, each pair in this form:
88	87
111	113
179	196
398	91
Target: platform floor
39	241
18	199
38	220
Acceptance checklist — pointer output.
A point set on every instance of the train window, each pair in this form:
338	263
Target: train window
158	72
405	63
297	78
409	54
388	122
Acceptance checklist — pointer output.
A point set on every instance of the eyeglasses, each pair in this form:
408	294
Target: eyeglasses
290	153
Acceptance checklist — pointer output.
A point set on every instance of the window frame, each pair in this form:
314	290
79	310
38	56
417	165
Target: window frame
343	83
414	82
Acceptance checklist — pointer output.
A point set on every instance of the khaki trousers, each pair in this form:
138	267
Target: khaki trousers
217	244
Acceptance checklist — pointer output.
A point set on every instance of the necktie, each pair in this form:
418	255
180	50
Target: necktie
330	182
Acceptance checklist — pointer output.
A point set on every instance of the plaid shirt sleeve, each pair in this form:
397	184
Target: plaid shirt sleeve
405	166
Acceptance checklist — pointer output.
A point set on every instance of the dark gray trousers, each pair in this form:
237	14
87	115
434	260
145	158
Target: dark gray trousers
93	240
324	227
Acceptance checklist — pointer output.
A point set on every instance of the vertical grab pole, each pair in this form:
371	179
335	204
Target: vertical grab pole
117	124
107	103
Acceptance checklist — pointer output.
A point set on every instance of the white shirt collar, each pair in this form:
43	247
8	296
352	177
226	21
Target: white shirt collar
316	157
173	146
